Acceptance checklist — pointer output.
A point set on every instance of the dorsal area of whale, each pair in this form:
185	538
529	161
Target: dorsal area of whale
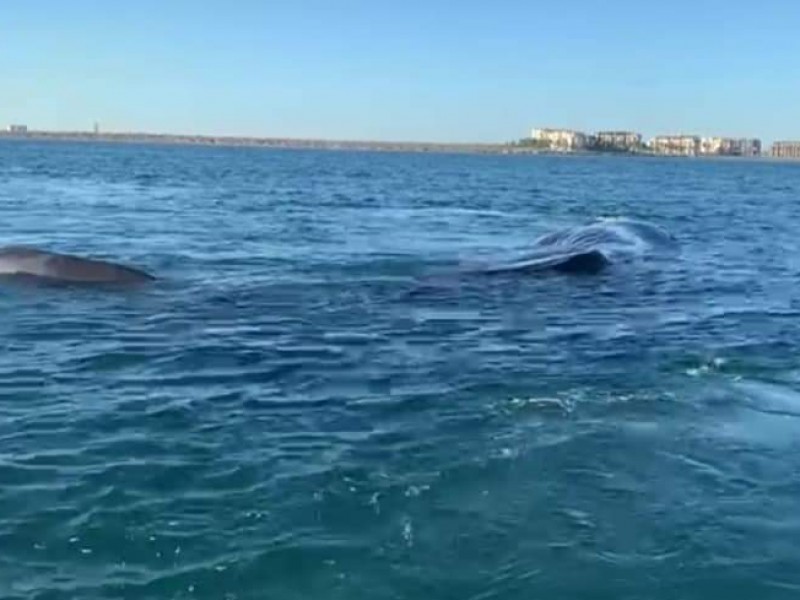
590	248
609	235
47	266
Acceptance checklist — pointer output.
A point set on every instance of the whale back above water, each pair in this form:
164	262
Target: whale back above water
51	267
588	249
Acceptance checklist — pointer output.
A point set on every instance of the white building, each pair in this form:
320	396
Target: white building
715	145
618	140
676	145
560	139
17	129
730	146
748	147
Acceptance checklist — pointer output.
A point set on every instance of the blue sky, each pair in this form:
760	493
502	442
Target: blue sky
403	70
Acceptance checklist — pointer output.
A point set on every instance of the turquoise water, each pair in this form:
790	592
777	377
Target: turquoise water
289	413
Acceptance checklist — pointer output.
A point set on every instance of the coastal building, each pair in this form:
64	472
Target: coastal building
730	146
676	145
560	139
749	147
618	140
786	149
17	129
715	145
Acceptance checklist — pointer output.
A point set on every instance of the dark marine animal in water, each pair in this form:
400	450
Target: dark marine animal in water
582	250
588	249
34	264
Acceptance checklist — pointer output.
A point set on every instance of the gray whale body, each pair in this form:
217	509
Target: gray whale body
581	250
44	266
590	248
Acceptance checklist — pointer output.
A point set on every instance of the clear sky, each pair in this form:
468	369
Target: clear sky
462	70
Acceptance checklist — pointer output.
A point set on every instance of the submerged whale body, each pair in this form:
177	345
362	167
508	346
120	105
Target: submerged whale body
34	264
588	249
579	250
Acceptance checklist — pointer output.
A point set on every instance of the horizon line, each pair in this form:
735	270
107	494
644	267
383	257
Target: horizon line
266	139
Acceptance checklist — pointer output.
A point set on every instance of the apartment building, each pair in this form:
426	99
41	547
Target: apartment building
676	145
561	139
618	140
730	146
786	149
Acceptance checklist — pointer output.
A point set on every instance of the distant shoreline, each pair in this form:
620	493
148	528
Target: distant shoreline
256	142
354	145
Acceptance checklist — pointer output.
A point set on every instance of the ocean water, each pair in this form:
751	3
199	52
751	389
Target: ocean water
311	402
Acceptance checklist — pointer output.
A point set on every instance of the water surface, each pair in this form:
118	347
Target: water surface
288	414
